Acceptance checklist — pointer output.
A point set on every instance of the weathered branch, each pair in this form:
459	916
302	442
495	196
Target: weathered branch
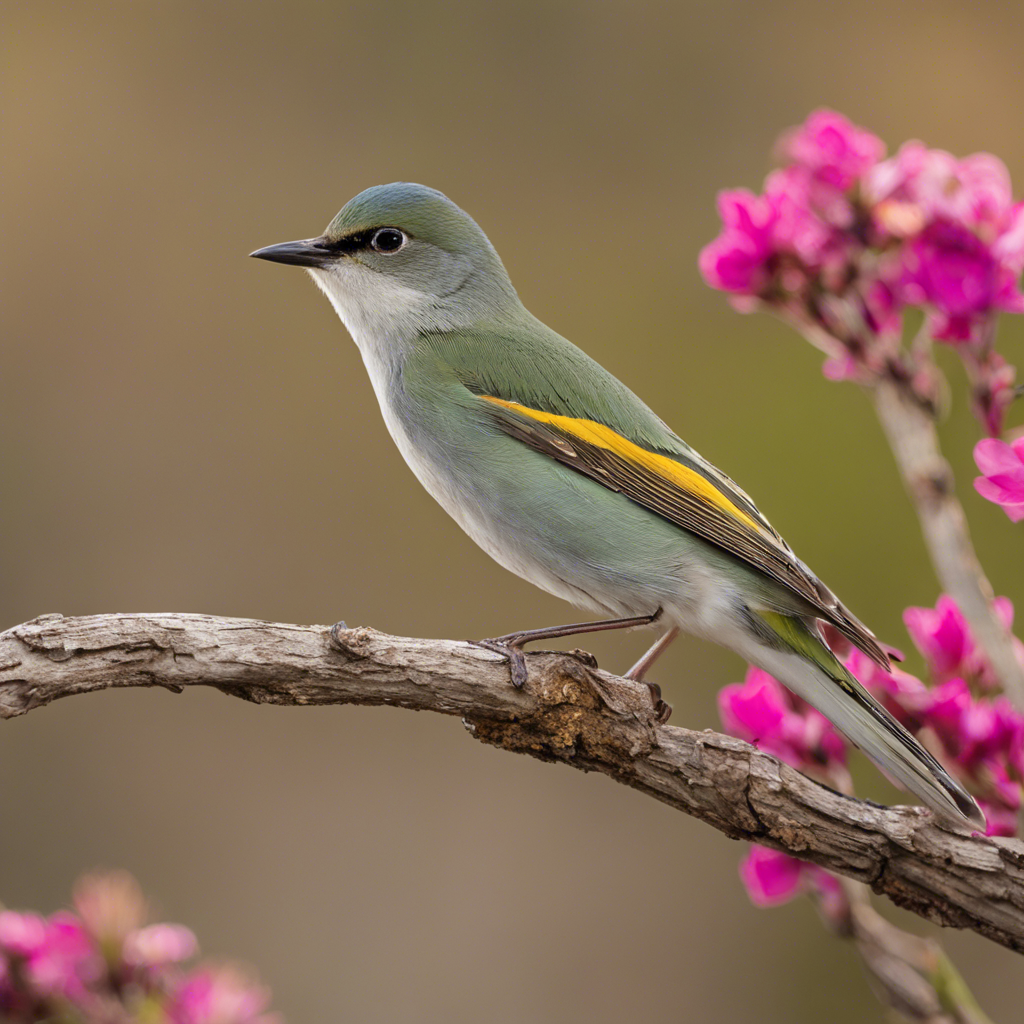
569	711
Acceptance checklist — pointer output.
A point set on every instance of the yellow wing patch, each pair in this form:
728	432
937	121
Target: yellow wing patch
604	437
683	496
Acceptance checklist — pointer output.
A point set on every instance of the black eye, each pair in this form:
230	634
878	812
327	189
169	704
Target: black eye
388	240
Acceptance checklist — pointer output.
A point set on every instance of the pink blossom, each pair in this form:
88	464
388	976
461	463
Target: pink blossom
221	995
67	963
951	270
802	215
904	696
834	150
941	634
22	935
57	957
981	196
159	944
1000	819
736	261
1009	246
772	878
1003	481
105	966
950	702
920	185
965	247
984	737
760	710
770	241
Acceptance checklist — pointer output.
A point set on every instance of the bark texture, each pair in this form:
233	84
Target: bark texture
569	711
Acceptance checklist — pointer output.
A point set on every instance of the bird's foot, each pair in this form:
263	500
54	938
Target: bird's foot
511	644
662	710
510	647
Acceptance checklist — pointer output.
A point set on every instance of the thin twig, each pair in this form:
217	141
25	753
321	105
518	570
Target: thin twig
907	972
929	480
569	711
908	420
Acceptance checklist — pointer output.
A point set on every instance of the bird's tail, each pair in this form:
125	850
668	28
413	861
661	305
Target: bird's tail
813	672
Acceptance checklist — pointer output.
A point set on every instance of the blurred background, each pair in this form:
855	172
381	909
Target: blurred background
183	428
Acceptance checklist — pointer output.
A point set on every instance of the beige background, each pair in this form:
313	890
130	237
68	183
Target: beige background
182	428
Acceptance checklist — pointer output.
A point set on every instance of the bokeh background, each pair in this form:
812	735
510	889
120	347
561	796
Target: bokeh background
182	428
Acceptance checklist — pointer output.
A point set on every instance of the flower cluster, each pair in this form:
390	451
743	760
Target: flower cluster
102	962
762	711
961	716
772	878
1002	482
977	731
843	241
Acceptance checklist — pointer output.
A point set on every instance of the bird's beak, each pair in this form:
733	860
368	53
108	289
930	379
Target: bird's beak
307	252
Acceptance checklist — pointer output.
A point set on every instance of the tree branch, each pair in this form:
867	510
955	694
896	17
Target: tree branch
928	477
569	711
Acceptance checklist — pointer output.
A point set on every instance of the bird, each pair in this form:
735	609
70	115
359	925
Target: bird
565	477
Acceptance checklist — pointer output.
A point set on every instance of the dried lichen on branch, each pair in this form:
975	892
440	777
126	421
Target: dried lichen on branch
570	711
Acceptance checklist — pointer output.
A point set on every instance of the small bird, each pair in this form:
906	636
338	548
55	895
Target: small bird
565	477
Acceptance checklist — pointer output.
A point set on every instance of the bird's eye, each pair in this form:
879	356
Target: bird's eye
388	240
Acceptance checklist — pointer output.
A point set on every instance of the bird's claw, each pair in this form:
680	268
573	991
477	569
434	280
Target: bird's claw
662	710
508	647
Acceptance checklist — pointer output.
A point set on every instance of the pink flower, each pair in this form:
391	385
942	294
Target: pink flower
772	241
965	247
67	963
1000	820
950	269
984	738
980	195
1009	246
22	935
904	696
736	261
772	878
803	215
221	995
832	149
157	945
941	635
950	702
761	711
920	185
754	709
1003	481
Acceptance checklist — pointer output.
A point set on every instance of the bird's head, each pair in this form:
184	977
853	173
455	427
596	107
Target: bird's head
400	255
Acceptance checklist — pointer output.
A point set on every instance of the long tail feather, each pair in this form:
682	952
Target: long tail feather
813	672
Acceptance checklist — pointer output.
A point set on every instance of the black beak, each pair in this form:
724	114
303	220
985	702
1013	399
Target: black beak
307	252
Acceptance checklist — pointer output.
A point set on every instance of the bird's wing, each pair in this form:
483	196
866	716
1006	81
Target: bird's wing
686	490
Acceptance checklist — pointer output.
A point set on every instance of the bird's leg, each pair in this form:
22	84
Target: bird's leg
640	669
511	644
